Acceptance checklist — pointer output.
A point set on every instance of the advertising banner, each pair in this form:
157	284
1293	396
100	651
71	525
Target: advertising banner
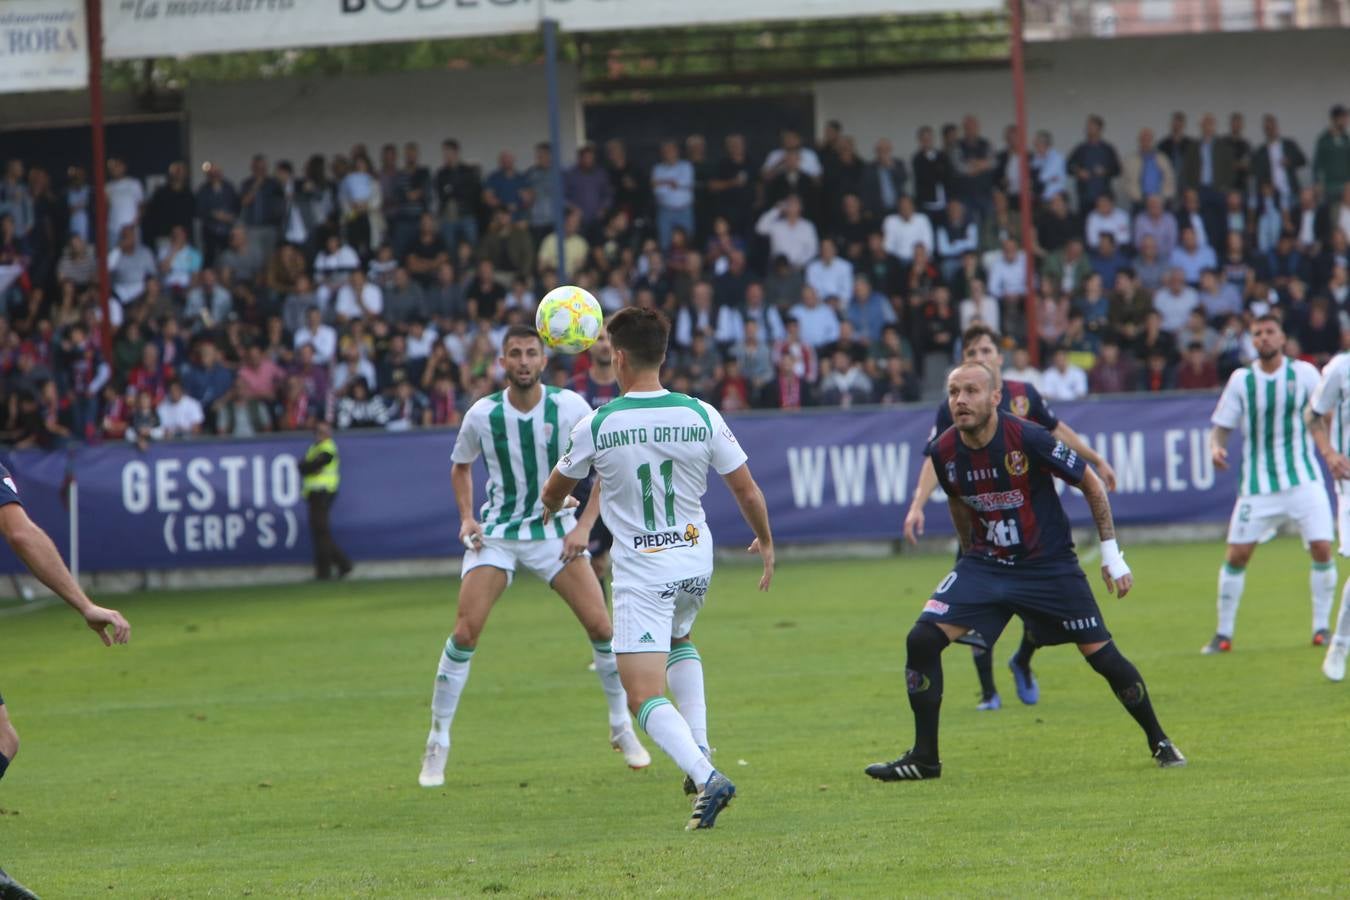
42	45
827	475
139	28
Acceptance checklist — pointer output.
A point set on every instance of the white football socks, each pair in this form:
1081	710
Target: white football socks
1231	582
671	732
684	674
451	675
1322	579
607	668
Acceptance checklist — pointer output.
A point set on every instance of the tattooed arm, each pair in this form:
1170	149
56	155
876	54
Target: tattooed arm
1218	446
1115	572
1319	431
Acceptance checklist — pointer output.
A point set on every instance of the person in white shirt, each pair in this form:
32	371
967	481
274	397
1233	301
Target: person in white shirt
904	229
731	320
180	414
323	338
332	266
358	298
1047	165
819	323
810	162
353	365
789	235
1109	218
979	306
1008	272
130	264
125	196
673	187
1022	370
830	275
1063	381
1175	300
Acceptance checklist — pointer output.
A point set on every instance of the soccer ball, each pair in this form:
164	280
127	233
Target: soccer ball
569	319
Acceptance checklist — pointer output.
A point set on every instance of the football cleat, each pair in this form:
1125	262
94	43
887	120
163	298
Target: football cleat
433	765
627	743
1321	637
690	789
906	768
1217	644
990	703
1334	665
714	798
12	890
1028	689
1167	755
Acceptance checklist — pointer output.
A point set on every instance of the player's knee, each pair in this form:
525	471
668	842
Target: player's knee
1320	551
9	744
600	633
925	642
1238	555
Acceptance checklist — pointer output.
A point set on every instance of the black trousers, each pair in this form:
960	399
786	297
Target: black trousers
327	553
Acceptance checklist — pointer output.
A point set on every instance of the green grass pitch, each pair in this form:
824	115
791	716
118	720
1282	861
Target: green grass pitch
265	742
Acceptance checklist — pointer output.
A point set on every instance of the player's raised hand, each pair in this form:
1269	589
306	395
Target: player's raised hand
471	534
914	524
1108	475
100	620
1220	456
765	552
1118	586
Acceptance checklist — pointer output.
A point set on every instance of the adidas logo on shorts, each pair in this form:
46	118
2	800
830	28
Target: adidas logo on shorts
646	638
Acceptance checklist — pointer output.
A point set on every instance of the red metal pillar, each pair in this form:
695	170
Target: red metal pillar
93	11
1024	169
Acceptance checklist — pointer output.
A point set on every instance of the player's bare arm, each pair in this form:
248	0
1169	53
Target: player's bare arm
1075	441
914	519
32	545
755	511
1319	429
557	491
961	520
1115	572
1218	446
579	538
461	482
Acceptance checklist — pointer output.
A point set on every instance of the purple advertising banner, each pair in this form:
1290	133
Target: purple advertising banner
828	476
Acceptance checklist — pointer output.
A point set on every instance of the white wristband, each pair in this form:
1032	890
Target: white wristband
1114	559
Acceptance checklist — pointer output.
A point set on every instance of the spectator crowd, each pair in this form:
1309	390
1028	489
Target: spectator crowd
374	294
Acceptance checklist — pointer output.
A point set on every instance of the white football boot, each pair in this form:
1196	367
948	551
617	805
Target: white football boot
627	743
1334	665
433	765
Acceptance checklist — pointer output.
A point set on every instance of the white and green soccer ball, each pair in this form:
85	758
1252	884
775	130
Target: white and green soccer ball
569	319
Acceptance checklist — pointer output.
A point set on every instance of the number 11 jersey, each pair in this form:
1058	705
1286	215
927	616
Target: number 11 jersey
652	451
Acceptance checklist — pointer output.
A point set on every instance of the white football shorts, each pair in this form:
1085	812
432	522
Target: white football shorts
1257	516
543	558
646	617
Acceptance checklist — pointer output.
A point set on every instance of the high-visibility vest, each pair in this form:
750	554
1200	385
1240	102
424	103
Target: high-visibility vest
326	479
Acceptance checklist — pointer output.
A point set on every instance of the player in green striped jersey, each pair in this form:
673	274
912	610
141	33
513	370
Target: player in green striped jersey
519	433
1328	419
1280	480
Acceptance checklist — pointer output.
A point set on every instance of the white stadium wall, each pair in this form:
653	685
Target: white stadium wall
487	110
1131	82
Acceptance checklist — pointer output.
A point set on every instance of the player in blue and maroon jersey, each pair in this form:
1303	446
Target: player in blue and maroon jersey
980	343
31	544
1017	558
